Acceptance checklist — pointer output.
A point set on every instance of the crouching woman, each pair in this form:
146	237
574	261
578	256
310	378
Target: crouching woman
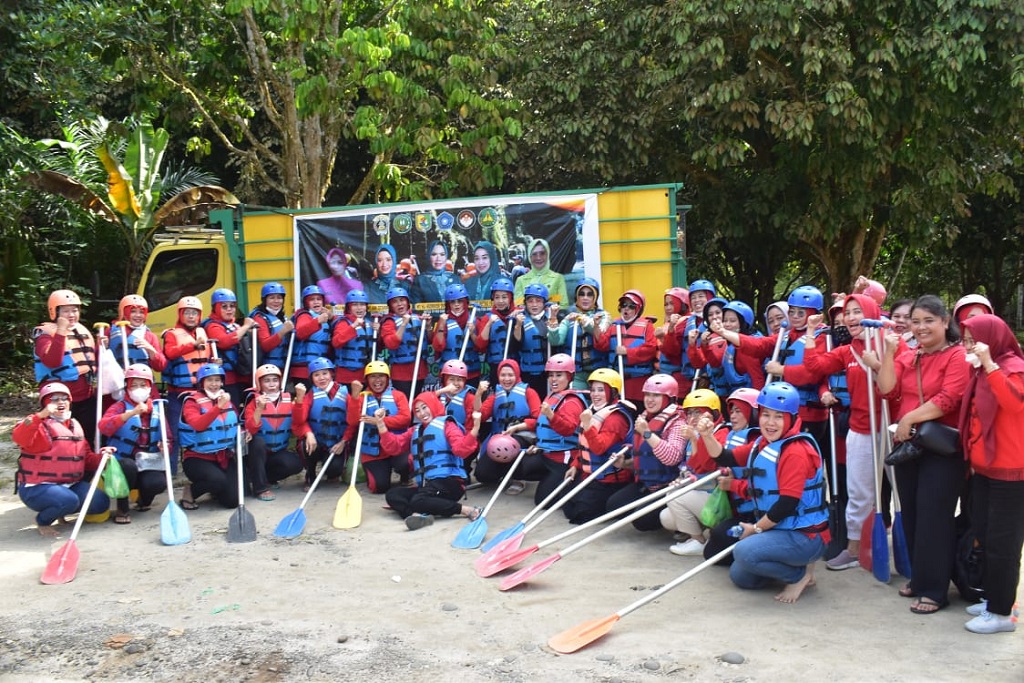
784	480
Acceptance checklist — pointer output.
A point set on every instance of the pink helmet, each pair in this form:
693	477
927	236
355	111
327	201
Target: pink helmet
876	291
663	384
744	395
455	368
560	362
502	448
682	295
636	297
139	371
53	388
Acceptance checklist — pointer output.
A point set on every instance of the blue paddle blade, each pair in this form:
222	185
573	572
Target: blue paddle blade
471	535
292	525
880	550
502	535
174	527
901	555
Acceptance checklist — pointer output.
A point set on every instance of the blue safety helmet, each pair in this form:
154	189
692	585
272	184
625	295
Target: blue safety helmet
587	282
781	396
310	291
455	292
742	310
702	286
502	284
356	296
536	290
716	301
806	297
271	288
209	370
397	293
223	295
320	363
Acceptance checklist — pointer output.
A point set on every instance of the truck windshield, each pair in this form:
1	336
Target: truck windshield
180	272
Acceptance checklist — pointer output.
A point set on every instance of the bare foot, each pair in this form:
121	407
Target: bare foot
792	592
48	531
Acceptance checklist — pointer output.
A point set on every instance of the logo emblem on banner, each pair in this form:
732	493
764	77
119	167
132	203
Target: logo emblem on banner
445	221
403	223
423	222
466	219
488	218
381	223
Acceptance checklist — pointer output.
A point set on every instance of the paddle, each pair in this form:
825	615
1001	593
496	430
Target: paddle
584	634
100	328
524	575
123	324
879	535
509	322
618	345
836	512
469	330
778	348
416	362
174	528
375	326
492	562
294	522
472	535
63	564
900	551
242	525
287	363
348	514
514	530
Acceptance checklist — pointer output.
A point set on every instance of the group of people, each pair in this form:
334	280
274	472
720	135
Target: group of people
614	402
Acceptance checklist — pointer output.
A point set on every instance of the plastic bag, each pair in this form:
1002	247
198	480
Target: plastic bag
716	509
114	483
113	374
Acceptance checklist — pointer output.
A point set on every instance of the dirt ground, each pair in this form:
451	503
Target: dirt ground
380	603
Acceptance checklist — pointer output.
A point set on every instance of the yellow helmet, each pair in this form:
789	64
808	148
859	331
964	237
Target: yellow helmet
377	367
703	398
608	376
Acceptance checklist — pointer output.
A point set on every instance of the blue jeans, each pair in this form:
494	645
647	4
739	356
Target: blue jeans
52	501
775	555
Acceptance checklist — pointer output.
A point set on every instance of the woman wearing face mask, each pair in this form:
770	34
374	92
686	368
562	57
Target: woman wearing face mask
131	427
430	285
208	432
55	457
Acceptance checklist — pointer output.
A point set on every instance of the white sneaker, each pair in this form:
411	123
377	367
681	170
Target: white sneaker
691	548
979	608
986	622
843	560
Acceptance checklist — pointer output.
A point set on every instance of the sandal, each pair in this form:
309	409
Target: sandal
122	518
188	504
474	514
515	488
267	495
907	591
925	605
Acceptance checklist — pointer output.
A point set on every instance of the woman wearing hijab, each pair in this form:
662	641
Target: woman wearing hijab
385	279
541	274
485	259
342	279
992	431
429	285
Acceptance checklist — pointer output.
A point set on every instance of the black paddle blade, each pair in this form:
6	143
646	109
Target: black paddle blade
241	526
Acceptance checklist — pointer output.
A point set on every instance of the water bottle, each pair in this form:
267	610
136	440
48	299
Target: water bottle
735	531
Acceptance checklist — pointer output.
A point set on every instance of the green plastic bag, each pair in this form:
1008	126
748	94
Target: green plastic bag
716	509
114	483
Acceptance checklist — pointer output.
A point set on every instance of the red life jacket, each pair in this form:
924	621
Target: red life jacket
590	461
64	463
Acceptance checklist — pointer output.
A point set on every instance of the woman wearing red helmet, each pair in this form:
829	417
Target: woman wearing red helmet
638	347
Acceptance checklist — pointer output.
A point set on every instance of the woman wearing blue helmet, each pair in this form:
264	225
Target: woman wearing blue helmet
273	326
787	488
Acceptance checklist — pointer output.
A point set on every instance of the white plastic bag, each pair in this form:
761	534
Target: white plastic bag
113	375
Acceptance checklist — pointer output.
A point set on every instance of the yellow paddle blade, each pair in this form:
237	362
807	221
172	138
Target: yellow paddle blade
349	512
581	635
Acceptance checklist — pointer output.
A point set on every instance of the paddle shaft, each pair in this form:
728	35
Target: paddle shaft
509	322
287	363
504	482
619	356
359	441
544	503
238	466
123	324
373	353
416	363
778	349
99	382
88	497
674	582
255	353
575	335
164	448
316	481
469	330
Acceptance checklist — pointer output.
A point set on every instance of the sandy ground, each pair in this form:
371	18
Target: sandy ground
380	603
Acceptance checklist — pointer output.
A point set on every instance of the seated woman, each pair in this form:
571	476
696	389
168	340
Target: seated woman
365	407
513	410
130	426
54	459
319	420
438	445
268	421
787	486
208	431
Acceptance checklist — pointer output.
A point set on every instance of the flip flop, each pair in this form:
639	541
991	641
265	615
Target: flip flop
924	605
907	591
187	504
267	495
122	518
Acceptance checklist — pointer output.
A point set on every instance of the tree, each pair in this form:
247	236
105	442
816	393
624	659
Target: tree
122	163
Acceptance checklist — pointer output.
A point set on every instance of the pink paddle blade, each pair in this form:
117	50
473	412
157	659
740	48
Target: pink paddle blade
527	573
63	565
498	564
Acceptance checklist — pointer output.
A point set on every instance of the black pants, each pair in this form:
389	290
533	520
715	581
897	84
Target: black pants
378	471
554	474
632	492
929	489
320	455
265	467
208	477
531	468
435	497
591	502
149	483
997	514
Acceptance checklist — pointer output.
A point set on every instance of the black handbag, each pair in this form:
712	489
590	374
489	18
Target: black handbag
938	438
903	452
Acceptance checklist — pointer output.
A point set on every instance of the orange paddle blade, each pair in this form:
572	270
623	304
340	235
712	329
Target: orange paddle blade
581	635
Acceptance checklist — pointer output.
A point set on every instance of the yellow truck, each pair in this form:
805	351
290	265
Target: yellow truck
623	237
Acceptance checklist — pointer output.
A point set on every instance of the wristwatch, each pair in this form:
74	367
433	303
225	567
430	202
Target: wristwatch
757	529
647	434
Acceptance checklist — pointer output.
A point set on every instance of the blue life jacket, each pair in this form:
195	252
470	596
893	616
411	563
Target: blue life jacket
316	345
735	439
126	438
406	351
219	436
837	385
496	341
433	453
793	353
276	356
371	437
812	512
355	353
533	348
510	407
688	371
229	357
328	416
135	354
592	460
647	469
276	423
454	336
455	405
548	439
587	357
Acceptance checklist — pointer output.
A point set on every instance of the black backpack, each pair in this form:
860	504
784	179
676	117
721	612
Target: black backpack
969	567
